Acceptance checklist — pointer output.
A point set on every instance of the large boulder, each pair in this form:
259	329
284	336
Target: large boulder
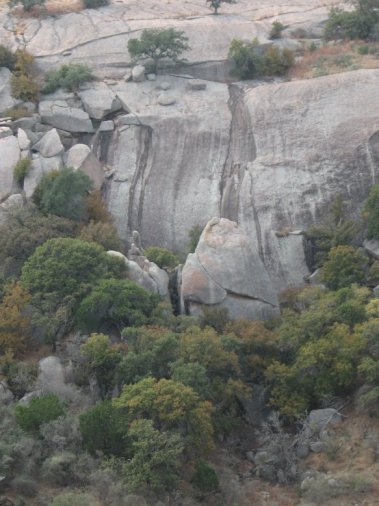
225	272
60	115
49	145
81	157
99	100
10	204
319	418
6	99
52	379
9	156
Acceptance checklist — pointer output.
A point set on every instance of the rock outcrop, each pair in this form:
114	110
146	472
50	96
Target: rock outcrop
225	271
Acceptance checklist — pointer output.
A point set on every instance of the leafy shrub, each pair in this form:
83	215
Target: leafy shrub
69	76
116	303
40	410
25	486
7	58
23	82
94	4
63	193
61	433
73	499
359	23
21	169
253	60
27	4
102	233
276	30
102	430
162	257
57	469
194	236
371	212
343	267
17	112
96	208
205	477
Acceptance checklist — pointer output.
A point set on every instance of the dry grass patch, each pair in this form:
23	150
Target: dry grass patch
333	59
51	8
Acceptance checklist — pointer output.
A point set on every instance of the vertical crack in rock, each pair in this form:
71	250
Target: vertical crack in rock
256	221
139	180
241	151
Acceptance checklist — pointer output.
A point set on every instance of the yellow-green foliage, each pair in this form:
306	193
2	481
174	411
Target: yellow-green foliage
21	169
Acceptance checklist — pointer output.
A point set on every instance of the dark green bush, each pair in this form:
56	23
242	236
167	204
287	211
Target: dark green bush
27	4
343	267
276	30
7	58
205	477
94	4
64	193
253	60
371	212
360	23
162	257
40	410
20	170
69	76
194	236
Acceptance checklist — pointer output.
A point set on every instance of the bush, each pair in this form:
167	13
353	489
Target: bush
62	433
21	169
69	76
205	477
40	410
72	499
94	4
164	258
64	193
23	82
25	486
357	24
27	4
194	236
371	212
102	233
57	469
253	60
343	267
276	30
17	112
7	58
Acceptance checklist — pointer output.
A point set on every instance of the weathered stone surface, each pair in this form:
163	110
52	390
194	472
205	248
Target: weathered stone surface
320	418
229	273
166	99
106	126
9	156
372	248
39	167
81	157
5	132
50	144
10	204
51	379
138	73
6	99
23	139
99	100
60	115
196	85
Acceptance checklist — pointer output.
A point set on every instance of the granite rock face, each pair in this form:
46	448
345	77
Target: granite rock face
9	156
270	158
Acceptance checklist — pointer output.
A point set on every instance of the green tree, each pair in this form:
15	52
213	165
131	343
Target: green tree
343	267
68	267
102	358
102	429
156	44
155	458
164	258
216	4
39	411
117	303
360	23
24	230
371	212
171	406
253	60
69	76
63	193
